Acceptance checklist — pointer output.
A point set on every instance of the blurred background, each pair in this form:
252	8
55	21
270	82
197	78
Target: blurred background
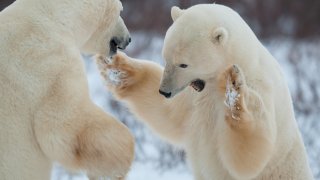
290	29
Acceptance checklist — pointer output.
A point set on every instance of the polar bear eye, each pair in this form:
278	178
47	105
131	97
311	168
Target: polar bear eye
183	65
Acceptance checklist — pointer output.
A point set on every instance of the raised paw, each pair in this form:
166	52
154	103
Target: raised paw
234	84
102	64
118	71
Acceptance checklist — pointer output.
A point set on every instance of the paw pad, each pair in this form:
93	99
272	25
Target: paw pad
234	82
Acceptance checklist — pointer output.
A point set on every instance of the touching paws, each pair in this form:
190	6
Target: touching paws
234	85
117	72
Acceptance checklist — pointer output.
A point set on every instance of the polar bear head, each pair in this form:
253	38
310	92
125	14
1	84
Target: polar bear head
107	40
202	41
94	26
111	32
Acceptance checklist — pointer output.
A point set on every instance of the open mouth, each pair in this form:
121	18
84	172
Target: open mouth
198	85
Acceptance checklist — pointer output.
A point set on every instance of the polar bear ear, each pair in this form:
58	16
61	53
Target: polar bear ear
220	36
176	12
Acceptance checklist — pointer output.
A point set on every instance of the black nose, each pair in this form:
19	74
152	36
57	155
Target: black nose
167	95
119	43
128	42
113	46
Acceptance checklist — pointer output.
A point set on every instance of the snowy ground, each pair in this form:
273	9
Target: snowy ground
299	72
140	171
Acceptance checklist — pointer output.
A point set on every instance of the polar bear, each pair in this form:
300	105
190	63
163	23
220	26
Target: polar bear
229	106
46	114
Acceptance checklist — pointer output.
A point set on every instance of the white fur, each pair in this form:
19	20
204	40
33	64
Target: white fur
267	99
46	114
256	138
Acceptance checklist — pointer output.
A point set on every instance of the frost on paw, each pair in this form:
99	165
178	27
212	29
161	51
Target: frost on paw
232	94
232	99
115	76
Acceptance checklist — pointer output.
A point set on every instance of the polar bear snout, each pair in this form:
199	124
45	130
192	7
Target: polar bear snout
120	37
165	94
119	43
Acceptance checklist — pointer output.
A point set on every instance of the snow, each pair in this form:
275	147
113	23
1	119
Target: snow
148	171
139	171
300	62
232	95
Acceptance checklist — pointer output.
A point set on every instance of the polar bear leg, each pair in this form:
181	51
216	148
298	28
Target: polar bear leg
89	140
248	139
196	165
137	83
104	147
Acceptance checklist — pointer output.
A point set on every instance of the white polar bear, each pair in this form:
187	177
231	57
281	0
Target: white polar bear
46	114
240	124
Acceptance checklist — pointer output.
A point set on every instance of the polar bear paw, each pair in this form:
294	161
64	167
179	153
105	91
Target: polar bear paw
234	92
116	77
116	71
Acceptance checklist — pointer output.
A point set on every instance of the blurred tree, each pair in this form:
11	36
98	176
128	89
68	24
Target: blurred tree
294	18
297	18
145	15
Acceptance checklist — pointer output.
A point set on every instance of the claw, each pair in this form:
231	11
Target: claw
108	60
225	103
235	117
236	69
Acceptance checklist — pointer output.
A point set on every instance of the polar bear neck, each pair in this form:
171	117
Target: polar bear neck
78	19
